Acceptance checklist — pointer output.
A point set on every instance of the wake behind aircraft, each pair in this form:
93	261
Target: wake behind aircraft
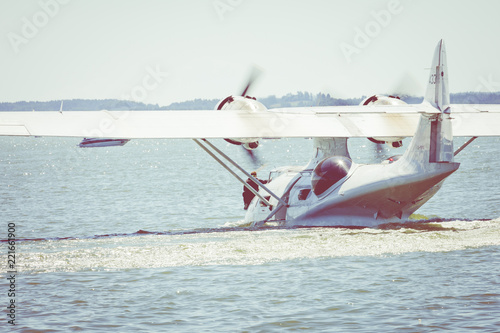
331	190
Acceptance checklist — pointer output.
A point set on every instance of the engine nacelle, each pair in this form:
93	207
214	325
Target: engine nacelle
244	103
385	100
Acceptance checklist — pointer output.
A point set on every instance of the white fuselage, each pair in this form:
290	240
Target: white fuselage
368	194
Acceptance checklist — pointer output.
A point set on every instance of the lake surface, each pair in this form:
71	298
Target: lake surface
149	237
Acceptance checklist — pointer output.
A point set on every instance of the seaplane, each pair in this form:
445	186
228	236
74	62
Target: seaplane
331	190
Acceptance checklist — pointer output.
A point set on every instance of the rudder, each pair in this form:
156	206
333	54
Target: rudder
433	139
437	93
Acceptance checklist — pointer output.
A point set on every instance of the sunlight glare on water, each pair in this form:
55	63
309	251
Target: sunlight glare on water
148	237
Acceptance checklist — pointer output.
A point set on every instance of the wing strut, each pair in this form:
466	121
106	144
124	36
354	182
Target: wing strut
464	145
274	212
239	168
286	195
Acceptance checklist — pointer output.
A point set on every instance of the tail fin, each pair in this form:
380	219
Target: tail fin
438	94
433	140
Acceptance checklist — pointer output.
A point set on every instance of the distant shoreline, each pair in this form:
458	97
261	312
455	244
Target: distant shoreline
299	99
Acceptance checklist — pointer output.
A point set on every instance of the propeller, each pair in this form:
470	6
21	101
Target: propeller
407	85
255	72
255	158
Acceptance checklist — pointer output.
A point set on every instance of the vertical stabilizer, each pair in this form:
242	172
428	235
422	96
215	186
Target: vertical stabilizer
433	140
438	94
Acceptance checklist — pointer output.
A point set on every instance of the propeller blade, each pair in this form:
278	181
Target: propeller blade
254	74
254	157
407	85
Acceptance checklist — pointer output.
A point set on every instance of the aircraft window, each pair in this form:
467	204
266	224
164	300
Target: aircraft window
328	172
303	194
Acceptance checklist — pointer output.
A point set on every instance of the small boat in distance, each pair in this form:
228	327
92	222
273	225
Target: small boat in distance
101	142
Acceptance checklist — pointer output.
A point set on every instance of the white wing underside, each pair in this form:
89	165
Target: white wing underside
339	121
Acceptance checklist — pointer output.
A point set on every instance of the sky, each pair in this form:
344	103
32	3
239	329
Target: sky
165	51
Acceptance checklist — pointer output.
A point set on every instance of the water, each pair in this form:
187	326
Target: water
148	237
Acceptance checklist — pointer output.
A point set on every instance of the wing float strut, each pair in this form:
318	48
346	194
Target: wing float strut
218	151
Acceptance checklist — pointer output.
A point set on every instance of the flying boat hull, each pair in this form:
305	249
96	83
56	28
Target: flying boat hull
369	198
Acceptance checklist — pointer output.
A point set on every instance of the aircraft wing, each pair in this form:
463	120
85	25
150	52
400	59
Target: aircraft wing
475	119
338	121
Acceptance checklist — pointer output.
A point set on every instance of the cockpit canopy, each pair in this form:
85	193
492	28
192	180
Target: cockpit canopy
328	172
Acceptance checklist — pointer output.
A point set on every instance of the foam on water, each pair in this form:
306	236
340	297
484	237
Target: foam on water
231	246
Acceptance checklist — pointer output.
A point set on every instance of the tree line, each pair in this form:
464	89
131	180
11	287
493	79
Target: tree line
298	99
